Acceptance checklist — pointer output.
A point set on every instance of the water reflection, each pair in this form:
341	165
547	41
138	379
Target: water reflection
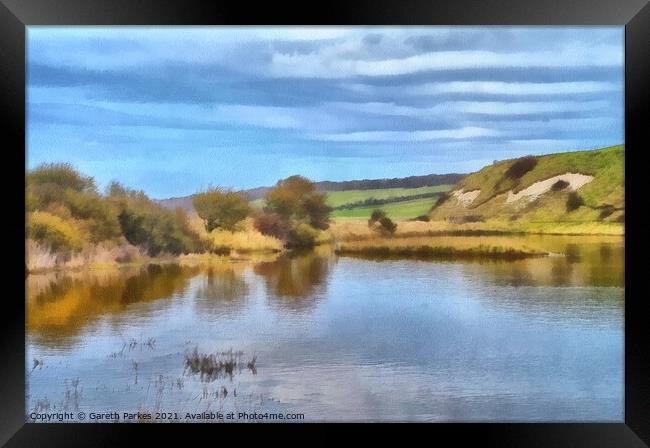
585	263
294	279
222	290
536	339
573	260
61	305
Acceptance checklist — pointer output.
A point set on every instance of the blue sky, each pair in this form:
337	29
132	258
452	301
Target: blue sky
175	110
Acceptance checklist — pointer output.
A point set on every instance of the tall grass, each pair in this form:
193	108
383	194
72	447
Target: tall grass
39	256
245	239
504	247
445	252
357	230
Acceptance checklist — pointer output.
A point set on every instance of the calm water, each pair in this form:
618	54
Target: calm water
340	338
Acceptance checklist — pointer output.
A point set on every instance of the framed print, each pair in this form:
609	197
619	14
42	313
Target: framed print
362	213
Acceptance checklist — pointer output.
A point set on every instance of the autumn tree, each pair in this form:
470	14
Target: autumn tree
221	208
294	212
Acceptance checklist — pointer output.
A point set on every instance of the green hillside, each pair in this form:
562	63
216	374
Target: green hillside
602	199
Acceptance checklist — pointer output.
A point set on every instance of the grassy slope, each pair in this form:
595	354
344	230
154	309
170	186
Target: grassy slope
606	165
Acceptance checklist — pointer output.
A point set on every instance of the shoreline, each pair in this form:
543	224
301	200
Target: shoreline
458	244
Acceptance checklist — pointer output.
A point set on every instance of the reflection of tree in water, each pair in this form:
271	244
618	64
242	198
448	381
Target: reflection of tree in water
292	279
609	269
153	282
518	273
606	251
573	264
562	270
222	291
61	306
572	253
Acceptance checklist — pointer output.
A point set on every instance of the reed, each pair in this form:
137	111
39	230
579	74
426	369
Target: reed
443	252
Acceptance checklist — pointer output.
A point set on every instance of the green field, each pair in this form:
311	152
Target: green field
406	209
395	210
338	198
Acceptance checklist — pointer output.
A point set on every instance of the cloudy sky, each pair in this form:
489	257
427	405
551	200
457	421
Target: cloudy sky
175	110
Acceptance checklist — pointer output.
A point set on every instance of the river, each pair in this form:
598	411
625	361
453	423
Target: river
336	338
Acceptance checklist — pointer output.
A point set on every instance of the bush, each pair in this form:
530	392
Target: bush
424	218
375	216
60	190
100	220
574	201
156	231
559	185
63	175
387	226
606	211
271	224
147	224
381	223
521	167
50	230
301	234
66	214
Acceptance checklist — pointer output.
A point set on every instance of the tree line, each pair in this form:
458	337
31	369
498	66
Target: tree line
294	212
67	213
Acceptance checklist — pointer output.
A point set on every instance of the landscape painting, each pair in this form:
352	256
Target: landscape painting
324	224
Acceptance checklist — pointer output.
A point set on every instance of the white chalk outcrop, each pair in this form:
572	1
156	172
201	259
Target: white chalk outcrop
466	198
575	181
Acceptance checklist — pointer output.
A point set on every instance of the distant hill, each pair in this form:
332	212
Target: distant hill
581	186
429	180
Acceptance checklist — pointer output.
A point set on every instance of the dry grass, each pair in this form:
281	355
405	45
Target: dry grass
224	261
39	256
105	255
357	230
442	246
245	239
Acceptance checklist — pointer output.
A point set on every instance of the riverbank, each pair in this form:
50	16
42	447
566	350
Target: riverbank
345	238
356	230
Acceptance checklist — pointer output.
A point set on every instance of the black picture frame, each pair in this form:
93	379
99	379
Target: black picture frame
15	15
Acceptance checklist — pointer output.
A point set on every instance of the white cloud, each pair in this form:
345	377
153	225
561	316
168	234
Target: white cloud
511	88
527	107
406	136
338	52
444	109
326	64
